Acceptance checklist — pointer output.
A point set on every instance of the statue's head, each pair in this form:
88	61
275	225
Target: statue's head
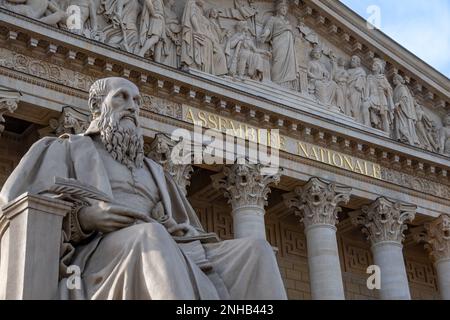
200	3
242	26
355	62
282	8
378	66
341	62
316	53
213	13
114	104
398	80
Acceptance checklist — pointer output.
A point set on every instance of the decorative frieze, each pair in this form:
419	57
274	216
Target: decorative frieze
45	70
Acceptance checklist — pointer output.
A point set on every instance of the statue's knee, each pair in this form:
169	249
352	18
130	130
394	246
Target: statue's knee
260	247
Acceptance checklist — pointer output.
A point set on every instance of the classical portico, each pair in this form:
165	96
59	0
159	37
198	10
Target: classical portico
354	186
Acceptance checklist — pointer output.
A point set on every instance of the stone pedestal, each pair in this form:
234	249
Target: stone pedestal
32	247
317	204
246	188
384	222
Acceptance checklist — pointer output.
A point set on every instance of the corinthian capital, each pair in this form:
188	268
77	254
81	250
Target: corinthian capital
385	220
162	151
437	238
8	103
318	201
246	184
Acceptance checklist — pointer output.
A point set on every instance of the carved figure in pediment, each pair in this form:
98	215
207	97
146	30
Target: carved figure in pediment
199	49
88	25
405	116
444	137
279	32
379	104
321	84
167	50
43	10
341	76
243	10
122	29
426	129
152	26
246	60
356	89
219	36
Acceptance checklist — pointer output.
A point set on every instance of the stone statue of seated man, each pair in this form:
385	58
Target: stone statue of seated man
146	242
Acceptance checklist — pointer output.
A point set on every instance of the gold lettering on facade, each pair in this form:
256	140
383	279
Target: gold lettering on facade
272	138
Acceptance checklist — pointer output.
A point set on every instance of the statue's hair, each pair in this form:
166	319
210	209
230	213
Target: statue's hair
316	49
381	63
357	57
281	3
398	77
97	92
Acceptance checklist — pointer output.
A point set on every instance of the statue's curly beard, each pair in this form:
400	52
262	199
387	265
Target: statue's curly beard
125	144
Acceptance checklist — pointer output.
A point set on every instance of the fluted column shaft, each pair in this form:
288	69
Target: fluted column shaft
384	222
317	204
247	186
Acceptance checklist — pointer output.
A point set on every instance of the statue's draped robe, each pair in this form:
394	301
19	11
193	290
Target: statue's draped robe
324	88
355	94
284	61
143	261
405	116
195	53
122	30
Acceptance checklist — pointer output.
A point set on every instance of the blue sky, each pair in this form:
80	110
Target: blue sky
421	26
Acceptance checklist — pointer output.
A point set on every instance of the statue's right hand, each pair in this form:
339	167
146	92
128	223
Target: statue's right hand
107	217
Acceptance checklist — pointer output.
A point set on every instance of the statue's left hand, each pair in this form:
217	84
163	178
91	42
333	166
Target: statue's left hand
108	217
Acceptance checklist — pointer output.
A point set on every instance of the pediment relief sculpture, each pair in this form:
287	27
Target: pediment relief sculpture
259	40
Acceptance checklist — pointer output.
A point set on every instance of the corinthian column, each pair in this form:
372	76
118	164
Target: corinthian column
438	244
247	186
384	222
318	204
166	152
8	103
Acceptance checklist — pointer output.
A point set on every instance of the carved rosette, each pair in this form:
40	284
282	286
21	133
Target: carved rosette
164	150
246	185
438	238
318	202
385	220
9	100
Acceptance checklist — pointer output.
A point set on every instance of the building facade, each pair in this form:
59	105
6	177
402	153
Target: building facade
361	127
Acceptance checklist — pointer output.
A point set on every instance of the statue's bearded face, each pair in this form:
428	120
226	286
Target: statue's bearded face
119	123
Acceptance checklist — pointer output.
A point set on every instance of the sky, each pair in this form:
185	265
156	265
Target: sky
421	26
